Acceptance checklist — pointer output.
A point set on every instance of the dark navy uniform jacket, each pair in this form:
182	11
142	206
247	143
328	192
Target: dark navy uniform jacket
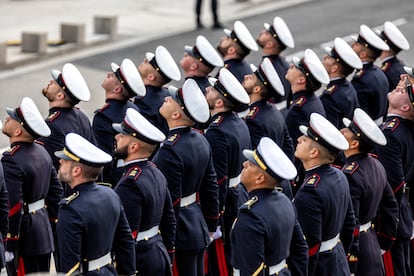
281	66
144	194
339	99
62	121
228	136
393	68
265	120
262	235
372	196
4	215
92	223
186	161
304	103
324	209
149	106
112	112
397	157
238	67
372	87
30	176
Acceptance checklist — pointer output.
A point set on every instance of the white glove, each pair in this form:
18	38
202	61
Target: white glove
9	256
412	235
383	251
216	235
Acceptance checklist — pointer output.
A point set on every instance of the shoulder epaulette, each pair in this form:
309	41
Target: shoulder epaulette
172	139
53	116
106	184
252	112
386	66
105	106
69	199
226	65
217	121
360	73
11	151
350	168
300	101
331	89
248	204
39	142
392	125
134	173
312	180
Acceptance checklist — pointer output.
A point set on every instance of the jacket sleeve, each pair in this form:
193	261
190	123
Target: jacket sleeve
298	259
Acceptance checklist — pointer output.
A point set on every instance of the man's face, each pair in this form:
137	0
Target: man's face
145	68
186	62
65	171
357	47
249	82
248	174
399	96
168	107
293	74
51	90
328	62
348	134
9	126
122	142
264	37
110	82
212	95
224	44
303	147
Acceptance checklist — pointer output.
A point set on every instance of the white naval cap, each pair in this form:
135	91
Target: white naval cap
325	133
228	86
267	74
280	31
78	149
28	115
409	71
369	39
343	53
365	128
72	82
164	63
192	101
242	36
205	52
138	126
312	67
271	158
394	37
129	77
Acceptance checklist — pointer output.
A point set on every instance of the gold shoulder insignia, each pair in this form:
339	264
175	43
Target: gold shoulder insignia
69	199
250	202
386	66
392	125
53	116
134	172
313	180
331	89
359	73
350	168
218	120
11	151
300	101
252	112
104	184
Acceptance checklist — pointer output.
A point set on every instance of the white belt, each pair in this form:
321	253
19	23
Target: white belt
329	244
148	234
274	269
365	227
100	262
35	206
234	181
185	201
